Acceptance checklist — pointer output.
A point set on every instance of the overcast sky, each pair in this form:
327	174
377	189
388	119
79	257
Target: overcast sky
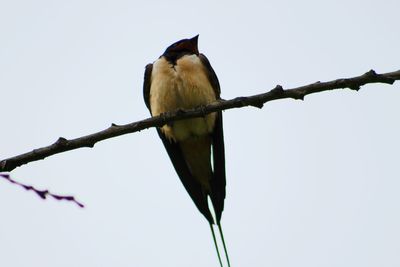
312	183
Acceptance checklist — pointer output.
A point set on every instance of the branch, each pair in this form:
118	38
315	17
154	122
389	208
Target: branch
41	193
62	144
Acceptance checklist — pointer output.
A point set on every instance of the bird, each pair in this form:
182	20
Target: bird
182	78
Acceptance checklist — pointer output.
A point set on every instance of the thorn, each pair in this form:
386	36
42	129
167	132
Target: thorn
355	87
371	73
259	105
61	141
380	78
278	89
91	144
114	125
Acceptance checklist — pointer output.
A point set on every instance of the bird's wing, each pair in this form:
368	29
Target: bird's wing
211	75
218	182
175	153
189	182
147	84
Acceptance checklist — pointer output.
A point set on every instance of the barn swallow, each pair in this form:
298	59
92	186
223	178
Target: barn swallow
182	78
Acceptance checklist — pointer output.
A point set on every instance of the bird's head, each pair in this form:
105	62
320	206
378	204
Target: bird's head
181	48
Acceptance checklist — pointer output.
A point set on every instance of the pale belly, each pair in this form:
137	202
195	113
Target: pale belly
183	87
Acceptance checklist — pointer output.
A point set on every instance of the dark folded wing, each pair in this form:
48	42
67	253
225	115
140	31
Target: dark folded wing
189	182
218	182
147	84
211	75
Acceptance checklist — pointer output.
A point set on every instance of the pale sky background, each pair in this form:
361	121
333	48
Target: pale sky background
313	183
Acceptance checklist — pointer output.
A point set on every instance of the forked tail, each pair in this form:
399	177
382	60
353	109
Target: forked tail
216	245
223	243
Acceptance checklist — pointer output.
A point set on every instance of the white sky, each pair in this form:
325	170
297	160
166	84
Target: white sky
311	183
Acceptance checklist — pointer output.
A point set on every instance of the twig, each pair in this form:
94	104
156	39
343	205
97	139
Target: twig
62	144
41	193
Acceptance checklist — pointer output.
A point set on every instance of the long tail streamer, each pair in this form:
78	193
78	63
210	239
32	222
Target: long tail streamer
223	243
216	245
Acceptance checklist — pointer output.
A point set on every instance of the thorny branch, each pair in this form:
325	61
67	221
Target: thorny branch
62	144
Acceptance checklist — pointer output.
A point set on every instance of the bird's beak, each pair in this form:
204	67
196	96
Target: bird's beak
194	42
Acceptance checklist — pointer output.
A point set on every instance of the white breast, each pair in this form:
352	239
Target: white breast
184	86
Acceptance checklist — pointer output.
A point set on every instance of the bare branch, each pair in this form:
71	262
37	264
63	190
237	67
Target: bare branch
62	144
41	193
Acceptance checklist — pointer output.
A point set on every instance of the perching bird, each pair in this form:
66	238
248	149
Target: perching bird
182	78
